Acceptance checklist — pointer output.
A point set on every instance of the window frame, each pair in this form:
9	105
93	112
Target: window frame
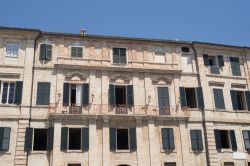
8	92
197	140
11	44
126	56
128	140
37	85
77	51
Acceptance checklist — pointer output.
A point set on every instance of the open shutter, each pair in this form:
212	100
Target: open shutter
205	59
246	137
217	139
18	92
234	99
132	137
28	139
112	139
219	99
220	60
42	51
130	95
235	66
111	94
48	51
200	99
64	138
85	139
183	97
247	94
6	139
233	140
1	137
65	94
50	138
194	142
85	94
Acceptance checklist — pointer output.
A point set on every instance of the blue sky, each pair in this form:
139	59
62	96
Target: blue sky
217	21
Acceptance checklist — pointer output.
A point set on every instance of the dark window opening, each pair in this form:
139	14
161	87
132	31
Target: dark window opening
185	49
191	97
120	95
228	164
212	61
40	139
73	94
122	139
240	100
170	164
74	139
224	137
74	164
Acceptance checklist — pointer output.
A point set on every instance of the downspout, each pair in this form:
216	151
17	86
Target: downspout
31	88
245	57
202	109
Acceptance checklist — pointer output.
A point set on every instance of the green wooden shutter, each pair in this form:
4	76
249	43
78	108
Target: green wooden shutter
43	93
200	99
85	94
6	139
112	139
234	99
28	139
247	95
73	51
218	99
48	51
1	137
165	138
79	51
116	55
123	57
235	66
42	52
163	97
233	140
171	138
217	139
130	95
132	139
50	138
18	92
199	139
65	94
194	139
205	59
246	136
183	97
85	139
64	138
111	94
220	60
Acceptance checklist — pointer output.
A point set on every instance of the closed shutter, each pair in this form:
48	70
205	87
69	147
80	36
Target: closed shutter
1	136
116	56
43	93
111	94
200	99
132	139
85	139
194	142
48	51
220	60
123	58
167	138
130	95
50	138
171	138
183	97
214	70
247	94
234	99
73	51
85	94
217	139
65	94
5	138
163	97
64	138
235	66
28	139
18	92
205	59
42	51
219	99
112	139
246	136
233	140
199	138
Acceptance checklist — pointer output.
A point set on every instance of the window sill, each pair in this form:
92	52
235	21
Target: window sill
7	56
76	58
123	151
226	150
74	151
5	152
41	106
39	152
9	105
119	64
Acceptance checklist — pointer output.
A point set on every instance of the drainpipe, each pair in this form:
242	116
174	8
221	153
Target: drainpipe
245	59
202	109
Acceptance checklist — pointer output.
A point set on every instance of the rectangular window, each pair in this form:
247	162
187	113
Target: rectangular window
235	66
76	52
45	51
74	164
122	139
163	97
167	138
40	139
246	137
191	97
119	56
12	49
75	94
43	93
74	138
228	164
225	139
4	138
218	99
240	100
120	95
196	139
170	164
8	92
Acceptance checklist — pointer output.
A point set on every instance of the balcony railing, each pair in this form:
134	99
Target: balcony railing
104	109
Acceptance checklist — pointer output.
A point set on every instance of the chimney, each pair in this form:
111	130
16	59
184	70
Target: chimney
83	31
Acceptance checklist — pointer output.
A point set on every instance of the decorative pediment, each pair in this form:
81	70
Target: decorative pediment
10	75
161	80
76	76
120	78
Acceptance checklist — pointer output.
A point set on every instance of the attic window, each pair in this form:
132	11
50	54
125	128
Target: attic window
185	49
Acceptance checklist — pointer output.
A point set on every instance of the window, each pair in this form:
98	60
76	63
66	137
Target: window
163	100
40	139
240	100
8	90
119	56
196	139
228	164
185	49
74	164
43	93
123	139
225	139
170	164
76	52
219	99
12	49
235	66
4	138
214	62
167	138
45	52
191	97
121	95
74	138
246	137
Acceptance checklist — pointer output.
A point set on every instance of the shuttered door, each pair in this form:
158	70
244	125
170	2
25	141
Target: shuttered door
220	60
43	93
217	139
132	139
219	99
64	138
85	94
200	99
111	94
247	94
28	139
234	99
246	136
205	59
50	139
65	94
6	139
112	139
183	97
18	92
130	95
85	139
235	66
233	140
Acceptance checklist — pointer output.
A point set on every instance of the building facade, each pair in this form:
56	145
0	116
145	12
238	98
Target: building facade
90	100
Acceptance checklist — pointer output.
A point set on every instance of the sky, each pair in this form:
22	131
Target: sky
216	21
